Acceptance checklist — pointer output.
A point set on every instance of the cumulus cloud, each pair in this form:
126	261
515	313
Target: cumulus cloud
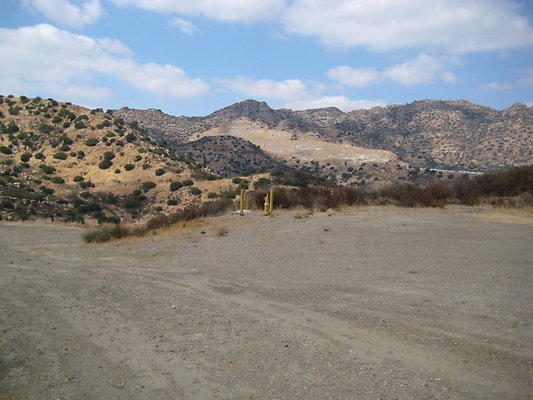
183	25
227	10
67	14
294	93
456	25
284	90
43	57
496	86
341	102
421	70
358	77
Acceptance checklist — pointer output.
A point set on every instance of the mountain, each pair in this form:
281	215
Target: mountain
446	134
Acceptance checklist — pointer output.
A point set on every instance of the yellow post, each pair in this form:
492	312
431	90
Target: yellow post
242	202
271	205
267	205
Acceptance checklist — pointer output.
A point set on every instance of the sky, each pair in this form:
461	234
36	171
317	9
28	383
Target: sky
193	57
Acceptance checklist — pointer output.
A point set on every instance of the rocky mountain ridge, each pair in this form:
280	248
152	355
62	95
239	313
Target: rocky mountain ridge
428	133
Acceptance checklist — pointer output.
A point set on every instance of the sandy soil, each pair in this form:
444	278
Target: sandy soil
370	303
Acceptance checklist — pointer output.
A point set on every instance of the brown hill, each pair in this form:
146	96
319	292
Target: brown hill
229	155
447	134
62	160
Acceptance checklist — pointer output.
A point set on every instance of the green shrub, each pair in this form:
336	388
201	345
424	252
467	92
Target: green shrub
80	155
39	156
129	167
175	186
66	125
148	185
160	171
236	180
172	202
138	158
212	195
45	128
262	182
78	178
146	165
91	142
5	150
195	191
105	164
60	155
47	169
57	180
109	155
187	182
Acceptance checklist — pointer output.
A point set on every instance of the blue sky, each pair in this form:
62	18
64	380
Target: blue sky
194	57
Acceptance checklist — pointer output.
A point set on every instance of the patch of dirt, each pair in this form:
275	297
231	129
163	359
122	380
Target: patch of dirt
365	303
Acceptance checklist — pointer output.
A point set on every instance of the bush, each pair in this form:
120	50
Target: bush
91	142
148	185
47	169
160	171
60	155
105	164
39	156
212	195
109	155
195	191
80	155
105	233
57	180
5	150
262	182
187	182
45	128
175	186
129	167
78	178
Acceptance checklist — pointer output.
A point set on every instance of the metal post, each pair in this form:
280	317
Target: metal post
271	204
242	202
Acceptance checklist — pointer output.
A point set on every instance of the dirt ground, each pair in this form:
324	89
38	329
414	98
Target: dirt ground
369	303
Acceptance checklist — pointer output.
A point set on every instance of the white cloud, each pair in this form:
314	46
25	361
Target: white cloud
67	14
358	77
456	25
498	86
421	70
43	57
295	93
183	25
448	77
227	10
341	102
285	90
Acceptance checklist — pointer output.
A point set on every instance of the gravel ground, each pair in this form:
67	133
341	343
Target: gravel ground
368	303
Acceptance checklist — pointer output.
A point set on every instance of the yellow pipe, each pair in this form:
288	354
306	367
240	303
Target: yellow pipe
242	202
271	204
266	206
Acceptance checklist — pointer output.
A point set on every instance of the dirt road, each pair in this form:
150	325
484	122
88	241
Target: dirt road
371	303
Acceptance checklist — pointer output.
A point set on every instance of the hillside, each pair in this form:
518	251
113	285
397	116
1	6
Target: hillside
229	155
62	160
445	134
